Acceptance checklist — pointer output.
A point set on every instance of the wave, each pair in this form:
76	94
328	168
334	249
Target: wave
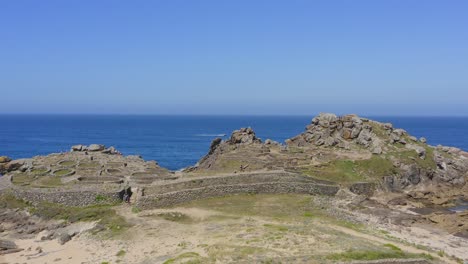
210	135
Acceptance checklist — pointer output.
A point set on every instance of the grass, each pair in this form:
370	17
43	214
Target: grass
22	179
411	157
67	163
121	253
107	217
349	171
88	165
280	228
280	206
135	210
9	201
36	180
48	182
62	172
375	255
222	253
186	257
100	198
39	171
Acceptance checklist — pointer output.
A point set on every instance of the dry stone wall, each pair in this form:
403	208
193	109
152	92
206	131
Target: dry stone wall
167	195
68	198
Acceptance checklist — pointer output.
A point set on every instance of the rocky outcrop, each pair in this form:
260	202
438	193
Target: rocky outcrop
244	136
13	165
95	148
4	159
332	131
7	246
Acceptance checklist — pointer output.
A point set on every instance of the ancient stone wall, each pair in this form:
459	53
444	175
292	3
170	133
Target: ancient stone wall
191	183
182	196
68	198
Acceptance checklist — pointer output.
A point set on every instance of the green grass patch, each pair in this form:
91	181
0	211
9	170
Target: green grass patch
100	198
22	179
121	253
280	228
392	247
9	201
135	210
411	157
308	214
67	163
375	255
25	179
107	217
39	171
187	257
349	171
47	182
87	165
62	172
280	206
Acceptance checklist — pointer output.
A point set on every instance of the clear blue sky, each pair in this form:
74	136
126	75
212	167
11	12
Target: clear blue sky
394	57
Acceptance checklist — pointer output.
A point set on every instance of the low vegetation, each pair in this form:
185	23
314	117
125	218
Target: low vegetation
108	219
348	171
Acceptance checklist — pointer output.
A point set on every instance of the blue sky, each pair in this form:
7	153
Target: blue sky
394	57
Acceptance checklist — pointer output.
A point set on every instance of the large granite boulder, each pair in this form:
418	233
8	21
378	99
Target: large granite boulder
96	147
7	246
4	159
244	136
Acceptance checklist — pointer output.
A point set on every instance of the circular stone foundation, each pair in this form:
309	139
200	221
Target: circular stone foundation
67	163
63	172
39	171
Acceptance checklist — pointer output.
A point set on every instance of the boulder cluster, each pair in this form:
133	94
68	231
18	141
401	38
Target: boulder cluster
243	136
330	130
95	148
7	164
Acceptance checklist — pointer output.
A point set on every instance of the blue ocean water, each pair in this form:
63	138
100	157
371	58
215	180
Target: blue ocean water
180	141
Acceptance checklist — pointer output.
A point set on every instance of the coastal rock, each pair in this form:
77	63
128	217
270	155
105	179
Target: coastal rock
214	144
78	148
112	151
11	166
7	247
387	126
96	147
330	130
4	159
64	238
422	140
271	142
420	150
244	136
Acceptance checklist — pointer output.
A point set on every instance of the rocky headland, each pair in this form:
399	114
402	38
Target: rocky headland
356	170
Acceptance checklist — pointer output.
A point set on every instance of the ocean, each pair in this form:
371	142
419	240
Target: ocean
176	142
